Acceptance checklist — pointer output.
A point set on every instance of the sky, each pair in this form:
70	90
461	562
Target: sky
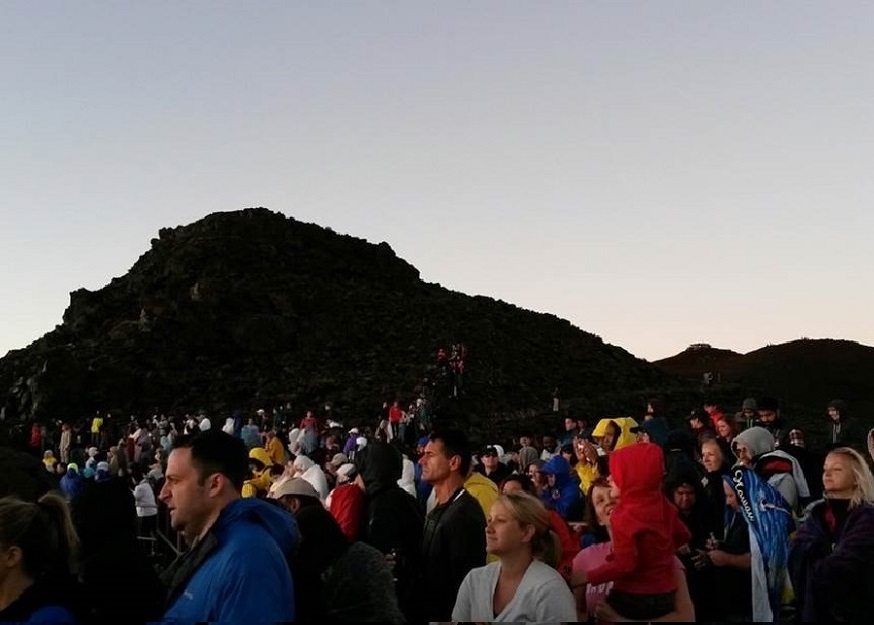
657	173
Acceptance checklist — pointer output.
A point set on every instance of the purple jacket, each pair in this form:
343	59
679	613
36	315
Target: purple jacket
833	577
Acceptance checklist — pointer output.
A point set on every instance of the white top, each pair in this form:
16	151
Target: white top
542	597
144	496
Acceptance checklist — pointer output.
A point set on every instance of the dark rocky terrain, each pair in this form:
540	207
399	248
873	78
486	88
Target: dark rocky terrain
252	309
804	375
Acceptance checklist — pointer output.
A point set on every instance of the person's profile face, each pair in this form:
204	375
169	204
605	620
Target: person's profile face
435	465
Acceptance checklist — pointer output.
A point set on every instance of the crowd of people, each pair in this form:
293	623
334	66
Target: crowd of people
720	517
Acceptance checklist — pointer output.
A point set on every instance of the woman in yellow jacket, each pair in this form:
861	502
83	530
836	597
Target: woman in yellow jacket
259	484
613	434
586	467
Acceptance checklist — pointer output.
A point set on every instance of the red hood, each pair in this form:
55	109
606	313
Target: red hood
638	468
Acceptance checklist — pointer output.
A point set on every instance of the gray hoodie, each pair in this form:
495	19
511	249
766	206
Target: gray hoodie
761	445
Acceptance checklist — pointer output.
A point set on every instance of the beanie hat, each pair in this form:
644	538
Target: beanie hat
749	404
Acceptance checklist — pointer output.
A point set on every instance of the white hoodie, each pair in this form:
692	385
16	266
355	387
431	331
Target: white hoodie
408	477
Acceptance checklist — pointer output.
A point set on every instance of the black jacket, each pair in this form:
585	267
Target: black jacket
393	520
453	543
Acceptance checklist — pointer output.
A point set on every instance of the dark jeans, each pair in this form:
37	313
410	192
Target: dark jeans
641	607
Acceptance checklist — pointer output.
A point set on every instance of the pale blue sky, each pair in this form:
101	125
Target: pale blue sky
658	173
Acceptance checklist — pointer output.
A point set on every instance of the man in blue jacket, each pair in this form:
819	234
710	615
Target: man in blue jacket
237	566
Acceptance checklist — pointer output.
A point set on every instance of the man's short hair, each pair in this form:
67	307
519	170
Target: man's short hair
213	451
771	404
455	443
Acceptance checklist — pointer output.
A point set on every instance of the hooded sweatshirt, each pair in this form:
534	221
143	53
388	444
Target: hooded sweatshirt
408	477
841	432
646	528
393	520
781	470
239	571
71	483
566	491
624	438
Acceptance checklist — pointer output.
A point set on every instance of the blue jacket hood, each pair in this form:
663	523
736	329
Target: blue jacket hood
279	524
559	467
567	490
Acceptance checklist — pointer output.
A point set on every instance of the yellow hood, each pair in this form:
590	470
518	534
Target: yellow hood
601	427
260	454
626	437
483	490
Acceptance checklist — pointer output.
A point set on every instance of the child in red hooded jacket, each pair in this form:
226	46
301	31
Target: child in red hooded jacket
646	532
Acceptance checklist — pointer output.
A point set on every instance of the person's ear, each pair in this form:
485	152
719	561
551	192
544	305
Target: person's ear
215	483
528	533
455	463
11	557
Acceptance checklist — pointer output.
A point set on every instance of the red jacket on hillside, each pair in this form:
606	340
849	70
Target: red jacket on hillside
395	414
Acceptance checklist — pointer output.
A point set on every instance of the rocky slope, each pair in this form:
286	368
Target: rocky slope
251	309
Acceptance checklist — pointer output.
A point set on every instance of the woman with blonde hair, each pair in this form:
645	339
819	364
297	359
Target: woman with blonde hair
523	584
38	551
831	562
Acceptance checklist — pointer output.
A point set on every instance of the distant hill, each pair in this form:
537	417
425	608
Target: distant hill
251	309
697	360
804	375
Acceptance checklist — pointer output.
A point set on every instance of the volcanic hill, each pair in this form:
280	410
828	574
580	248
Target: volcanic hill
251	308
804	375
